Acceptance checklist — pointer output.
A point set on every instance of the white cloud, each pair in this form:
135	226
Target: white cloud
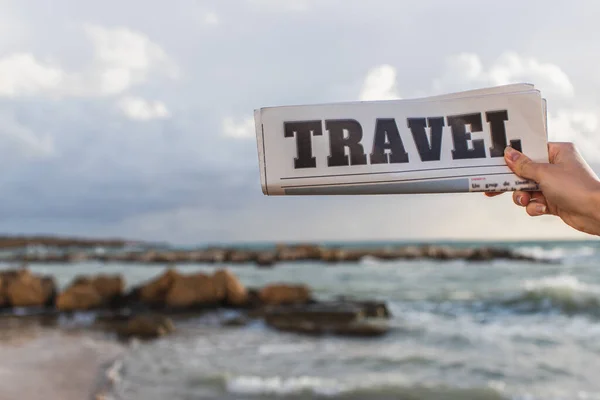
141	109
242	129
286	5
579	127
380	84
18	140
466	70
211	18
122	59
22	74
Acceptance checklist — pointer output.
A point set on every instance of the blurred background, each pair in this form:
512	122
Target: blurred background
134	120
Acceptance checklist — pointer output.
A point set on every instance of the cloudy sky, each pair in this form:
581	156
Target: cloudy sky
134	118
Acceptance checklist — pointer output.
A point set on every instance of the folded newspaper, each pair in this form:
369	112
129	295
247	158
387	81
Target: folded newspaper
440	144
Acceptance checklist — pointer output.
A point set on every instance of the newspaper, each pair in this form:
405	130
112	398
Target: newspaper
441	144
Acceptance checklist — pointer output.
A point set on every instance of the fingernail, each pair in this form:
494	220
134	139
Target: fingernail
512	154
520	200
540	209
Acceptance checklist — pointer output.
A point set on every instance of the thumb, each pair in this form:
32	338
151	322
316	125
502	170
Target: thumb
522	165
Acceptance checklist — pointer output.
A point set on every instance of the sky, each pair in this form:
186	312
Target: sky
134	118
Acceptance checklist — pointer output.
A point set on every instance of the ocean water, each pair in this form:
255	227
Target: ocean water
494	330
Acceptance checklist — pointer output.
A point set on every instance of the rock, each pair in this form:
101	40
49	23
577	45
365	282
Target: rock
241	256
375	309
76	257
107	286
49	288
147	327
284	294
326	318
193	290
82	296
235	293
236	321
370	308
336	313
23	289
299	252
266	259
155	292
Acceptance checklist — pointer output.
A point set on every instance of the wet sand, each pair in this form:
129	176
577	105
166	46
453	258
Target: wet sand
38	363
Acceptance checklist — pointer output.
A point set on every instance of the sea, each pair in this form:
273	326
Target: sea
459	330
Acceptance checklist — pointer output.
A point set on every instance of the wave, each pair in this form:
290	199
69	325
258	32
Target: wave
557	253
564	292
559	294
384	387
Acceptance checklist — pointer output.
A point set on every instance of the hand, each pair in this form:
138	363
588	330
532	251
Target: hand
569	188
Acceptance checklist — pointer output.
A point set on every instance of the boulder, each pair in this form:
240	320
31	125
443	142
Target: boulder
24	289
82	296
155	291
235	293
241	256
49	289
277	294
266	259
326	318
299	252
193	290
107	286
147	327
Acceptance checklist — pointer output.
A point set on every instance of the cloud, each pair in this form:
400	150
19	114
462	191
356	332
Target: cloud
122	59
286	5
380	84
211	18
22	74
239	129
579	127
466	70
141	109
19	141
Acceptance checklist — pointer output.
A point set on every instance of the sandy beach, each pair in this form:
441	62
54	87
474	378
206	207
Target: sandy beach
45	363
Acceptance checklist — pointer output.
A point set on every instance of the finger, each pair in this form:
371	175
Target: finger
521	198
521	165
539	198
493	194
535	209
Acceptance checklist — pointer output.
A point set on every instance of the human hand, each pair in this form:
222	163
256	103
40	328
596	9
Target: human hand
569	188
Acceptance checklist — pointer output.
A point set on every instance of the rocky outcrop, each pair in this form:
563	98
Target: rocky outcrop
147	327
87	293
235	294
347	319
21	288
277	294
107	286
175	290
155	291
281	253
193	290
79	297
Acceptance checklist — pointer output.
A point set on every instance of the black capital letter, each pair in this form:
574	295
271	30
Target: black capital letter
498	131
338	143
461	137
387	137
303	130
427	151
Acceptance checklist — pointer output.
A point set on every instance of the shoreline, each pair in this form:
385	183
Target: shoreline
54	362
267	257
